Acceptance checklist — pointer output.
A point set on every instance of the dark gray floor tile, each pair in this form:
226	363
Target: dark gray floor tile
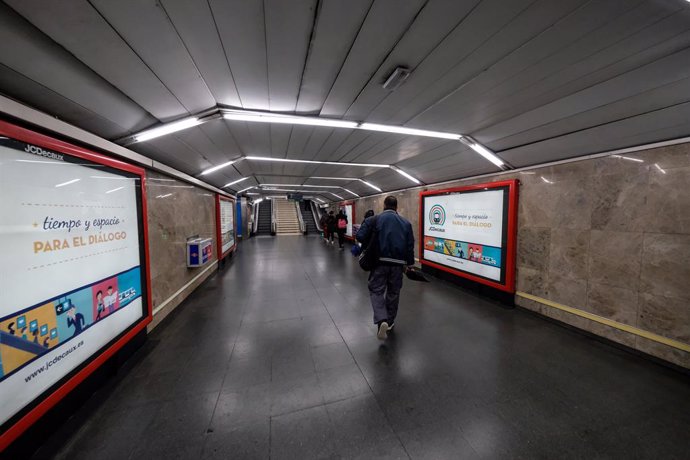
332	355
250	440
342	382
296	393
304	434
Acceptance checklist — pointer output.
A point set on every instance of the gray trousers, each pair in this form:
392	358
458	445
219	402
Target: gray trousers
385	282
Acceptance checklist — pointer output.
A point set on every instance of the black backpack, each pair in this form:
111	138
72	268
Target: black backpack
369	257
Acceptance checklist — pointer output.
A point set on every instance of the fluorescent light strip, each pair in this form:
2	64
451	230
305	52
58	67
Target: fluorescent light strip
216	168
167	129
287	119
483	151
404	174
248	188
409	131
300	185
337	196
114	190
314	162
371	185
350	191
334	178
164	196
234	182
657	166
67	183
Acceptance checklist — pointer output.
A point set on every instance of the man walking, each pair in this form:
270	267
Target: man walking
395	252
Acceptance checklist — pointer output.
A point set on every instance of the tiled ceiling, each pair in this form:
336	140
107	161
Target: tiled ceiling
534	80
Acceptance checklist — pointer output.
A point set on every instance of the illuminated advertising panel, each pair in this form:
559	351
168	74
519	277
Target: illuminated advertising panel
348	208
225	216
73	272
469	231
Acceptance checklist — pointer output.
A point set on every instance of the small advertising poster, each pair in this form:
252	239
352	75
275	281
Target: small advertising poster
467	231
225	210
72	277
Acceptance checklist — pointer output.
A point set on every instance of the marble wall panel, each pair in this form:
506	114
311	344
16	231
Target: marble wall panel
176	211
614	258
616	303
532	281
620	202
665	316
666	265
568	252
567	291
534	247
669	201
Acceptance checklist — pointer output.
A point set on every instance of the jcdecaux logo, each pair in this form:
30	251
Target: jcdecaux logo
437	215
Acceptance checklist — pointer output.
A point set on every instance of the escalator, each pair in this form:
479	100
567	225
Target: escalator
308	216
264	224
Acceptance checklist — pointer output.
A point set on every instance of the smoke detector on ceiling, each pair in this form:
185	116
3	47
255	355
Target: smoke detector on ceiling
396	78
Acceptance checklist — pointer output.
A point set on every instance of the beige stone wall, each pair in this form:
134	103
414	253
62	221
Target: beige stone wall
187	212
610	236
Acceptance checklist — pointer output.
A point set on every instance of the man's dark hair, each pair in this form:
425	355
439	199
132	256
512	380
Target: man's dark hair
390	202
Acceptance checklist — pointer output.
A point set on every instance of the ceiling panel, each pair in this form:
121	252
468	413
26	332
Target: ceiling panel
280	137
21	88
648	101
663	38
386	22
80	29
288	30
621	36
336	28
194	21
146	28
242	31
662	72
567	30
40	59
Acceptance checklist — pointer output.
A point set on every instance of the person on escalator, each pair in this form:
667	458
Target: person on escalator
341	221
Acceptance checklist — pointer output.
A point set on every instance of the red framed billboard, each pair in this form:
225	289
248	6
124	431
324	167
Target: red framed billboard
74	277
348	207
471	232
225	225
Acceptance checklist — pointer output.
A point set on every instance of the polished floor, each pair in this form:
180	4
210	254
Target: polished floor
276	357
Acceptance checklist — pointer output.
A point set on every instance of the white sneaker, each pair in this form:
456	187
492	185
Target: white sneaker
383	331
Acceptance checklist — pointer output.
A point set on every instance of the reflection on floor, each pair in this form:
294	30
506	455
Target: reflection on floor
276	357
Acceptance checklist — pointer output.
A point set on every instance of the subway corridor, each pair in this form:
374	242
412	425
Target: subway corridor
276	357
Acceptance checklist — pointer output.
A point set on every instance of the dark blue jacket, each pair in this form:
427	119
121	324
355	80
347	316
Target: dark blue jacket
396	240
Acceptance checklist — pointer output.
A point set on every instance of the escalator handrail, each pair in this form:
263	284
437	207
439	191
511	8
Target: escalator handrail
302	227
315	213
